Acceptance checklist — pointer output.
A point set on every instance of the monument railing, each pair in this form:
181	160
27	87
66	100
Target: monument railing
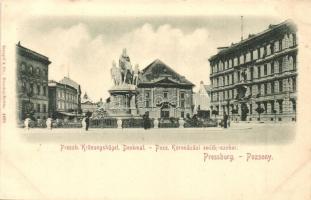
126	123
103	123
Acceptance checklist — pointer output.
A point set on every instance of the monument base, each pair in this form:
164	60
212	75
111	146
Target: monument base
122	101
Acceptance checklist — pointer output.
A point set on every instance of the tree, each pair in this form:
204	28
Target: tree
259	110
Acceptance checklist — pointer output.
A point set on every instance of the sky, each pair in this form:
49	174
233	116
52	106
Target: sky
84	47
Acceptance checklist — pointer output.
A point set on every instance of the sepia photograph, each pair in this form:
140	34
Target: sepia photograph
181	75
179	99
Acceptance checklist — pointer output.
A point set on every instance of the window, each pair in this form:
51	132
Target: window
38	107
248	57
268	49
281	106
294	84
250	108
259	89
271	48
262	52
259	72
165	94
235	61
291	63
255	54
242	59
265	106
265	88
44	107
30	69
276	46
280	86
265	69
44	90
38	89
272	106
272	87
272	68
182	99
252	73
182	114
230	63
220	66
147	99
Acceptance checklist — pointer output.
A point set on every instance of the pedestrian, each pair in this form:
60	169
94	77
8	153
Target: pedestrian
225	120
87	123
146	121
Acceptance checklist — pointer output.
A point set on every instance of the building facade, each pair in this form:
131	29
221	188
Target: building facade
63	100
163	93
72	83
87	105
32	84
255	79
202	100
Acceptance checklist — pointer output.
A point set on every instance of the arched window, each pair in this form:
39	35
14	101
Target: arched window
285	41
290	63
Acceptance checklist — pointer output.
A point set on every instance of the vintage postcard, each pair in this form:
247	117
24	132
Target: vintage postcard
155	100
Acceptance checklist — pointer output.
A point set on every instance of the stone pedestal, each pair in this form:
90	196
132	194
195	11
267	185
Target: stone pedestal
156	123
181	122
122	101
119	122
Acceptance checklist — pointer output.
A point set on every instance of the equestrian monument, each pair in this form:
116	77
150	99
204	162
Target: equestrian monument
123	92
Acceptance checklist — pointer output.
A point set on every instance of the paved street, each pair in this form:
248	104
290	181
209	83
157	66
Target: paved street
238	133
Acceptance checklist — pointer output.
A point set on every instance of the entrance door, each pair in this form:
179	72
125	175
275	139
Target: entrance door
165	111
165	114
244	111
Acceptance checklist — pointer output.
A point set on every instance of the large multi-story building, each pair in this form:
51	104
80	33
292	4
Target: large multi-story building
32	84
63	100
255	79
163	93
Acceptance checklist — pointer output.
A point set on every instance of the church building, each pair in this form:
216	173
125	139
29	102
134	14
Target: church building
163	93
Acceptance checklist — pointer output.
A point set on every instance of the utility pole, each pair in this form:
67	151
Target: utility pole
241	28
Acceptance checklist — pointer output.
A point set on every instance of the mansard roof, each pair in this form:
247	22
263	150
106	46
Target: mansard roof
158	72
253	39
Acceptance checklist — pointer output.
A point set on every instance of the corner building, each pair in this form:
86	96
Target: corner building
255	79
31	84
